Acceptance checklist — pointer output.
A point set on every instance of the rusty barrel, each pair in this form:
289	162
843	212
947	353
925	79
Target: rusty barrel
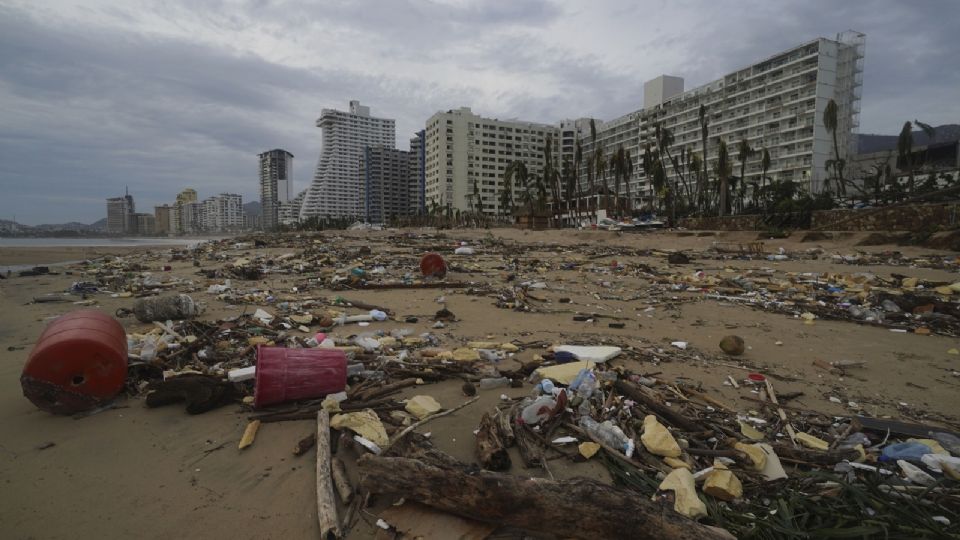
78	363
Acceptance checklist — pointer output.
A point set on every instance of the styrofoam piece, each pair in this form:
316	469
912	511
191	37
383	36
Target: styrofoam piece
242	374
600	353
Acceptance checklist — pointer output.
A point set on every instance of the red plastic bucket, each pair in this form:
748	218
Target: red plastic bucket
79	362
433	265
292	374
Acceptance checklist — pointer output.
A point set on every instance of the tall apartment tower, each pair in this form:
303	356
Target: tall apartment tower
416	183
467	154
337	188
776	103
386	177
162	216
120	215
276	179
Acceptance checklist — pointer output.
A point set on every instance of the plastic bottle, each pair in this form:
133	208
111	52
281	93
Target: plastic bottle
149	350
545	387
587	386
911	451
575	383
609	434
538	411
494	382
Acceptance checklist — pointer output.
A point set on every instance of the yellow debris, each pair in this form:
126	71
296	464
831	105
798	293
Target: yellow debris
756	454
465	355
365	423
676	463
588	449
680	482
657	439
750	432
422	406
935	446
812	442
563	373
723	484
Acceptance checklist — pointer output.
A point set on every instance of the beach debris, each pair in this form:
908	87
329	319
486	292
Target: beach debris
679	488
657	439
165	308
365	423
732	345
249	434
422	406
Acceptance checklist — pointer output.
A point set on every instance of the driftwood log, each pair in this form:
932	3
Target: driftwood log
640	394
326	505
504	421
580	508
342	481
491	452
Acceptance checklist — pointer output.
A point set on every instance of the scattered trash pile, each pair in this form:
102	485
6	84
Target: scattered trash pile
684	463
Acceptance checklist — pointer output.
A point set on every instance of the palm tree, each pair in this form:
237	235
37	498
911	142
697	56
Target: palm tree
506	194
627	164
704	130
764	167
723	169
743	154
905	152
837	163
577	163
569	178
598	164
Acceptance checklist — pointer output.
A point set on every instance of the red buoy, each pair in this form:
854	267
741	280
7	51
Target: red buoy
292	374
78	363
433	265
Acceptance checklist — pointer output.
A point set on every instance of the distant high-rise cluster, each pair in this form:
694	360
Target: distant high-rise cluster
217	214
459	161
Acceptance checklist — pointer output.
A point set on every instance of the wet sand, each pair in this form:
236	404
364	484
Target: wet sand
160	473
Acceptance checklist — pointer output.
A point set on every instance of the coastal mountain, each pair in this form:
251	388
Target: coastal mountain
869	143
74	227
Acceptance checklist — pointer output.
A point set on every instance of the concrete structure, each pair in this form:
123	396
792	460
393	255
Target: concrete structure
336	191
468	154
146	224
776	103
661	89
571	131
386	183
288	213
189	218
221	213
417	181
161	216
276	181
188	195
120	211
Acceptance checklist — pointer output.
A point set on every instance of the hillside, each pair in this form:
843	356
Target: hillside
869	143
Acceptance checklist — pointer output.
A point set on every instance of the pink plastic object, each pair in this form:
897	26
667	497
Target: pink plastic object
78	363
756	377
320	337
292	374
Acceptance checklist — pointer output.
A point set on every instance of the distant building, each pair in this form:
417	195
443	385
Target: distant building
161	216
336	190
188	195
120	211
146	224
467	154
417	182
776	103
276	179
190	218
289	212
386	183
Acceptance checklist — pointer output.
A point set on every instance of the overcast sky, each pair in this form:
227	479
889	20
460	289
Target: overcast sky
158	96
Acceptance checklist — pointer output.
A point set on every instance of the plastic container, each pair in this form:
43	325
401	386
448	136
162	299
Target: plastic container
609	434
292	374
911	451
587	386
494	382
78	363
433	265
538	411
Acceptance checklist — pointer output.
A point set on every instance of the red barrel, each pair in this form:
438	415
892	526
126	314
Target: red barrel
79	362
433	265
292	374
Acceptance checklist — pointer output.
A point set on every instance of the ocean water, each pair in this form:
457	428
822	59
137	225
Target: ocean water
91	243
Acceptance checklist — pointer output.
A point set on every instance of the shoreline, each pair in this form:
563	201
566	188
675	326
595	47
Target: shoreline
19	258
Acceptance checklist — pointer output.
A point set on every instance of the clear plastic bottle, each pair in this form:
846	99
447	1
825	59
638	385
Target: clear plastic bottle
609	434
149	350
494	382
587	386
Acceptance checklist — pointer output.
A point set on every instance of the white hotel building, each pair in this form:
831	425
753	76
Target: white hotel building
463	148
776	103
337	188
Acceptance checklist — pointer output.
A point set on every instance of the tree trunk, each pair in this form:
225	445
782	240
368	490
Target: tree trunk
491	452
580	508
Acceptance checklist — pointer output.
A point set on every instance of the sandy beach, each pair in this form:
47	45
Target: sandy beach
160	473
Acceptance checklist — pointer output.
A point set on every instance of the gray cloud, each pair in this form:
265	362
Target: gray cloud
96	96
